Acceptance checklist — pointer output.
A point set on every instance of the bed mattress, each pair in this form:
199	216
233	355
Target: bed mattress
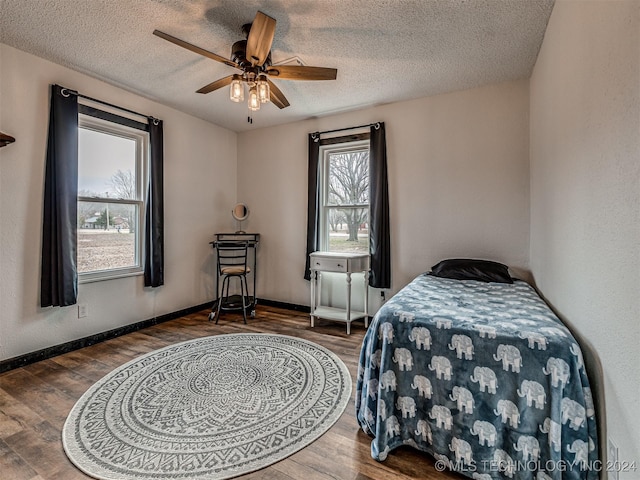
483	376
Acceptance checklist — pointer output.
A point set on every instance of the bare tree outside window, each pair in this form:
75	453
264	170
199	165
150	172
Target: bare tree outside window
123	184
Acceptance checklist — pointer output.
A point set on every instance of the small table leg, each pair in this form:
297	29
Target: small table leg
366	299
348	303
314	276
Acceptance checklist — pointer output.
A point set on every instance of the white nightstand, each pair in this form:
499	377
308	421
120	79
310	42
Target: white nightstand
346	263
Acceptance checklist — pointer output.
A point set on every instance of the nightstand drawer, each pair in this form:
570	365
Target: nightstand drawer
329	264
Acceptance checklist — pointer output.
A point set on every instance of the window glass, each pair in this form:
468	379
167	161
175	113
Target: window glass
106	165
348	230
345	226
111	171
349	178
106	236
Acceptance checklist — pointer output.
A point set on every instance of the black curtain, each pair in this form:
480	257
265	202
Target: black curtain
59	277
313	204
154	216
379	235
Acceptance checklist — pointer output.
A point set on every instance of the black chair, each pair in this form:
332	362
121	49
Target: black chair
232	263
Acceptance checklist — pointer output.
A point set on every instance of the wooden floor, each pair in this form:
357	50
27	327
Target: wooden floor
35	401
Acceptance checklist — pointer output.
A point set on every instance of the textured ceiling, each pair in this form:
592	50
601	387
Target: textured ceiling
385	50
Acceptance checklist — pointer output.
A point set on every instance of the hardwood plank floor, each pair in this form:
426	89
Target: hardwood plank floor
35	400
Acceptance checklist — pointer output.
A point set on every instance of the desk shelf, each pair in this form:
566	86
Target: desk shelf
338	314
233	303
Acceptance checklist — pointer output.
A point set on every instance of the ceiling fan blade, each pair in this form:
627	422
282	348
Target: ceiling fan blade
299	72
277	97
260	39
223	82
195	49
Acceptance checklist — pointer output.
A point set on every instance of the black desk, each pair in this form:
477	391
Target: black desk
234	302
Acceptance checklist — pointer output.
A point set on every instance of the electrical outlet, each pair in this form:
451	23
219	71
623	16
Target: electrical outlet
612	460
83	310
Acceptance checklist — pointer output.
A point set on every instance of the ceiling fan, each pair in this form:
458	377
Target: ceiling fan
253	58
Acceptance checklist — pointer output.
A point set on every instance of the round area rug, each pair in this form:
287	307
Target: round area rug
210	408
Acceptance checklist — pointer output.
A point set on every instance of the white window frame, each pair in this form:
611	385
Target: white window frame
141	139
325	152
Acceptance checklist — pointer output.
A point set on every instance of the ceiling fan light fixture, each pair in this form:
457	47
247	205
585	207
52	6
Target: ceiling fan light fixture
254	99
236	92
264	92
252	57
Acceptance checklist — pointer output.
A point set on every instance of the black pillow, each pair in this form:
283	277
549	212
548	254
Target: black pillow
468	269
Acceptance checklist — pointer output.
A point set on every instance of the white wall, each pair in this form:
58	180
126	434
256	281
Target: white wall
458	184
200	188
585	191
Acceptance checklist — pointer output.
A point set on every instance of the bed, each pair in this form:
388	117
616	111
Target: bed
481	375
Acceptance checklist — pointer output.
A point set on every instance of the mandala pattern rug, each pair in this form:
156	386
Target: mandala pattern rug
211	408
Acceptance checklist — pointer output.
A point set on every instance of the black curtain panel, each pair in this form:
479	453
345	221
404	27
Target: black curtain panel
59	276
313	204
379	235
154	219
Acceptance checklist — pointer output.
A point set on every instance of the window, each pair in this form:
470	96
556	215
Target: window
367	228
112	174
344	223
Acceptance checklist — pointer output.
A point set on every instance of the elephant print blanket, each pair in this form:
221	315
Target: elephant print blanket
482	376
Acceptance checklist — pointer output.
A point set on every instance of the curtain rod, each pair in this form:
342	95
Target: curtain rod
86	97
317	134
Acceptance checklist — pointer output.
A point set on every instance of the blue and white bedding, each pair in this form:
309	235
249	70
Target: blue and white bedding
483	376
